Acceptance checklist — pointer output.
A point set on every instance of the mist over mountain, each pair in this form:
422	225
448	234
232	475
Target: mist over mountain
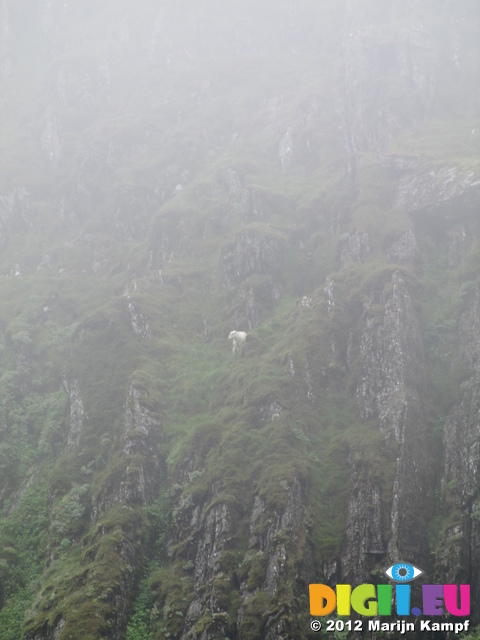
305	172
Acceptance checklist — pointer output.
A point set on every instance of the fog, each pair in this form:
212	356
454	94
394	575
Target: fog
239	266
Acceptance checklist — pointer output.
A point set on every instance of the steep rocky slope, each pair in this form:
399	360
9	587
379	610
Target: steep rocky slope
306	172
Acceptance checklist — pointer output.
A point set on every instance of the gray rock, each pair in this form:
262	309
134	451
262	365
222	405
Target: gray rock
371	55
435	191
356	248
252	253
77	412
404	249
286	150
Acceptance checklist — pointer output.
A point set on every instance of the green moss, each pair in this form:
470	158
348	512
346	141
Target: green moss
229	428
254	615
257	572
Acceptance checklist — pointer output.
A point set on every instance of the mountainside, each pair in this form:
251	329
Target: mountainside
307	172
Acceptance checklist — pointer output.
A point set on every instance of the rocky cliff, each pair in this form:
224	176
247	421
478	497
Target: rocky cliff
307	173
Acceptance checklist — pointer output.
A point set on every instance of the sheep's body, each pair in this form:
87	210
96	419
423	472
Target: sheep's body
238	338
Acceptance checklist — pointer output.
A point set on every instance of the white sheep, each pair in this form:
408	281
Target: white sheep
238	338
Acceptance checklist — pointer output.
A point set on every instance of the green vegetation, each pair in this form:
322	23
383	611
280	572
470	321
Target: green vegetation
156	193
23	531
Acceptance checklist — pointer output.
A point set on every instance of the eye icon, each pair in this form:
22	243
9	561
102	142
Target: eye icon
403	572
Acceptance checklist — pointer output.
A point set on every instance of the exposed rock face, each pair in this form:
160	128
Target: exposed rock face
275	539
138	481
329	408
371	55
459	557
77	412
459	243
210	530
212	539
392	360
356	248
139	321
252	207
365	530
135	483
271	557
446	190
252	253
286	150
392	376
404	250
